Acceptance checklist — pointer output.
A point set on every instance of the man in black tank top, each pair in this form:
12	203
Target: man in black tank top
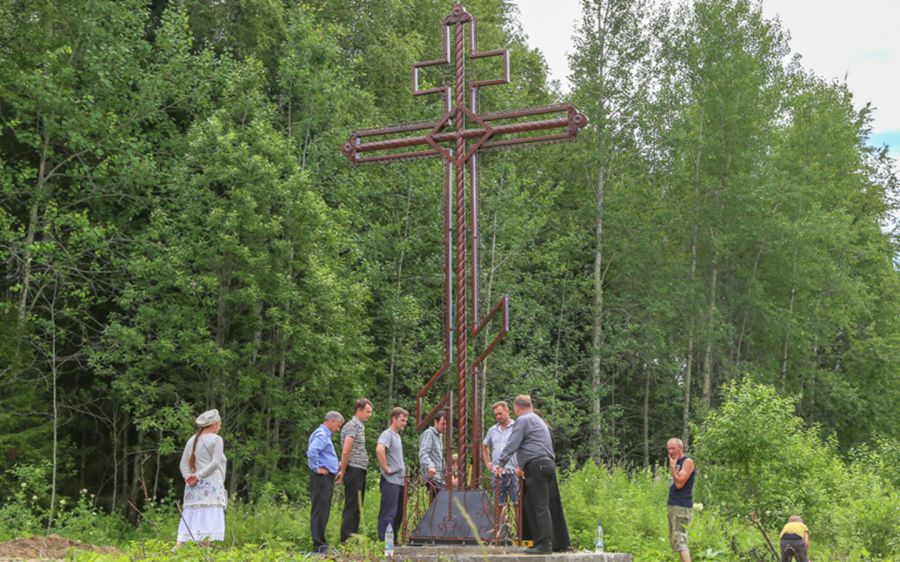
681	497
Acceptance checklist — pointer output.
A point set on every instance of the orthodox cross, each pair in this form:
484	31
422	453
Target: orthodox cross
452	139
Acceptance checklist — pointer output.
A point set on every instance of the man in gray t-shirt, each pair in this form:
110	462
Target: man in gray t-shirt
389	451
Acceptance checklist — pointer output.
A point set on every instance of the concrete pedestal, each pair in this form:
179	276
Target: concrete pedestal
498	554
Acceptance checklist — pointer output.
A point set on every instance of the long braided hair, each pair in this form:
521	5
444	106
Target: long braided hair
192	462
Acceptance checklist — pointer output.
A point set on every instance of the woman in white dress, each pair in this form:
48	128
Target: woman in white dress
203	469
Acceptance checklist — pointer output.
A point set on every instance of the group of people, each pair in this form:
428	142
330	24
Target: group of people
351	469
522	446
512	448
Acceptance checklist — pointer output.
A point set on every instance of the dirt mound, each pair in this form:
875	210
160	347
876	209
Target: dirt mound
52	547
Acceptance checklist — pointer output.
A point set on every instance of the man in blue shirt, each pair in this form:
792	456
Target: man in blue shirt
492	448
323	462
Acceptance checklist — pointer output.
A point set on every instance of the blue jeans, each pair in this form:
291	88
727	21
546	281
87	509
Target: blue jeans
509	487
391	509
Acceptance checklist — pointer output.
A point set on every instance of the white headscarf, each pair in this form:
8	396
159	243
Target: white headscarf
208	418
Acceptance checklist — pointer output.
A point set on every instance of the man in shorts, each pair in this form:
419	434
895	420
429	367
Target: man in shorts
681	497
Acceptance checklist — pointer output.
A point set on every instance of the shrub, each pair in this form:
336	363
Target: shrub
84	522
24	510
633	510
755	455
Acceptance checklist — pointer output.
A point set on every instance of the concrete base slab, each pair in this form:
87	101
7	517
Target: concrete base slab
498	554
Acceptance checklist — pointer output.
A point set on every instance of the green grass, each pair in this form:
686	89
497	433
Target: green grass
632	506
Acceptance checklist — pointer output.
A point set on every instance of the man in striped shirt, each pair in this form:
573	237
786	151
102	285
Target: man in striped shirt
354	463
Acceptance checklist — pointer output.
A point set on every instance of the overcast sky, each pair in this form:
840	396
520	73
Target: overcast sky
836	38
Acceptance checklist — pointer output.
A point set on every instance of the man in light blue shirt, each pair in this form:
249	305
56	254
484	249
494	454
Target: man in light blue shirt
491	449
323	462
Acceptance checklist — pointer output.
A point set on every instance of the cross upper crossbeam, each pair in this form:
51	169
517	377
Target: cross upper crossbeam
458	16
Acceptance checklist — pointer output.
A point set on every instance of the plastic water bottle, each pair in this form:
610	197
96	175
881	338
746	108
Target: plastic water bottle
389	542
599	546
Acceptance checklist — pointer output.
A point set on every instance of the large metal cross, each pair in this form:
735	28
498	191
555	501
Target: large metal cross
452	139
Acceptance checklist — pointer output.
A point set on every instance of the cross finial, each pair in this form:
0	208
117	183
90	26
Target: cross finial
458	15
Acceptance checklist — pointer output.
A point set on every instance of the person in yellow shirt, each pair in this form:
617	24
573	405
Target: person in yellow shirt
795	540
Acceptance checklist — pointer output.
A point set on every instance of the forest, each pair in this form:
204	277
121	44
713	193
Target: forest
714	258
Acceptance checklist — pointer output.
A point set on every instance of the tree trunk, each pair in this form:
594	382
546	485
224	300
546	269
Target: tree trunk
812	384
115	451
232	484
26	266
689	362
282	363
126	424
54	374
596	435
137	475
32	228
221	337
276	426
392	367
489	299
597	331
559	329
159	436
787	326
745	317
710	321
646	417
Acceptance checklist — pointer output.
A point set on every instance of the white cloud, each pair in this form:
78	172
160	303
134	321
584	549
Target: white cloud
835	38
854	39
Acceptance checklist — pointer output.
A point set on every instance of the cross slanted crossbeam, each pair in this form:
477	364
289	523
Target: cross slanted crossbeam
457	137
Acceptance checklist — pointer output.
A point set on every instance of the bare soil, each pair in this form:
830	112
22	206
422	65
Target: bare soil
52	547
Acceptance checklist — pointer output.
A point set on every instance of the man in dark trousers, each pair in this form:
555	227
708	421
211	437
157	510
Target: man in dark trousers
323	462
354	463
389	452
431	455
531	442
795	540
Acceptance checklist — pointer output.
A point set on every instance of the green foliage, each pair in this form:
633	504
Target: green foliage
85	522
755	456
632	509
857	526
180	231
24	507
160	551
